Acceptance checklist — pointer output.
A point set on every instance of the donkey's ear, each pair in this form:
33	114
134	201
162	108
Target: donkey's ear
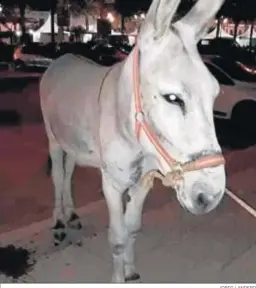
158	19
198	18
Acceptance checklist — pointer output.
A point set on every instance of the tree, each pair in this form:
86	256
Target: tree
225	11
238	14
82	7
251	16
238	11
130	7
78	31
21	4
53	11
183	8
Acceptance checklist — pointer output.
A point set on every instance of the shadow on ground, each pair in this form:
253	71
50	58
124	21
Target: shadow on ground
19	101
10	118
224	130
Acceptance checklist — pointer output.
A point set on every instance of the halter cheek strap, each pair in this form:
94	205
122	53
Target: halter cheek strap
176	169
140	122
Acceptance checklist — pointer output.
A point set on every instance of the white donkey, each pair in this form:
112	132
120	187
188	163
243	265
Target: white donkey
152	112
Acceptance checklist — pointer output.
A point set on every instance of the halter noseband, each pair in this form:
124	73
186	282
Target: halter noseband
177	169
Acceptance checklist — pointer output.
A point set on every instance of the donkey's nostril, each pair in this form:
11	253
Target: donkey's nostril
202	200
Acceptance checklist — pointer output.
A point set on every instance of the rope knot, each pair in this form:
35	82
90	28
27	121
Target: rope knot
172	178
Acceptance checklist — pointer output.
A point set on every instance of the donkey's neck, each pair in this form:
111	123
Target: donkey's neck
125	100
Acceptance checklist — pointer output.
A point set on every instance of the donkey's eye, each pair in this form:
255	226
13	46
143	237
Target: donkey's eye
174	99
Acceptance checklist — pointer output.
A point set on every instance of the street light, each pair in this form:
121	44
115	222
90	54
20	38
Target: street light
1	8
110	17
18	33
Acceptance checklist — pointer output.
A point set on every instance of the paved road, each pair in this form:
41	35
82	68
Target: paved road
26	191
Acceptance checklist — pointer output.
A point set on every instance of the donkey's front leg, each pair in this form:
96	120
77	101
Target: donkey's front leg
118	234
133	219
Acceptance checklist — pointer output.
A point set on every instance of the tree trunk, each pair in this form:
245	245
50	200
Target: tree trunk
122	24
236	28
101	10
60	12
87	22
53	9
22	8
218	28
251	33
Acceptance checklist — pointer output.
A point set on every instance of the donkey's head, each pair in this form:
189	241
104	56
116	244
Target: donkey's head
178	94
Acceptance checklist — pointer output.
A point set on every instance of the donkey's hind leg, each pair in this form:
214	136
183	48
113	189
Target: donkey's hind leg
56	154
68	203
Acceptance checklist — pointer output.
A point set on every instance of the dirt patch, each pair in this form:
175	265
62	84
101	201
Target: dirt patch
15	261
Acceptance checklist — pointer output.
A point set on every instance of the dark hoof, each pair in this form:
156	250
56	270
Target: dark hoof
59	233
59	225
74	222
133	277
59	237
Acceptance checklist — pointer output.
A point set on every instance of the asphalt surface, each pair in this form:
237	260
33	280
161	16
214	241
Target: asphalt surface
26	190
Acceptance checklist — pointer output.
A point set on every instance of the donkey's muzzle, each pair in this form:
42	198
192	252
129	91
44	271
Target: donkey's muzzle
204	200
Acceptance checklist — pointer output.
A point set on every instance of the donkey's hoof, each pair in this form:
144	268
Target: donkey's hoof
74	222
132	277
59	237
59	232
74	229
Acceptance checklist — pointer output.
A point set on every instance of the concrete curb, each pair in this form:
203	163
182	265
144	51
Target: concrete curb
94	207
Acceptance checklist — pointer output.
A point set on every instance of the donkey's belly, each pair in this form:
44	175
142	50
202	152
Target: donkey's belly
75	125
77	137
70	107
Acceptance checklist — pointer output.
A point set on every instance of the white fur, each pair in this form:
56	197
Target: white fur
88	112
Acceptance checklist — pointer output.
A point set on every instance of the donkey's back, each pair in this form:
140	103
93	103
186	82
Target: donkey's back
69	92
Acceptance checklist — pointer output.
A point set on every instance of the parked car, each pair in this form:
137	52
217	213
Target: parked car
120	42
218	46
100	52
33	55
235	102
228	49
242	71
105	53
